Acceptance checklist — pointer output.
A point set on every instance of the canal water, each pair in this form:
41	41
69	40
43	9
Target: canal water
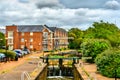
57	73
60	78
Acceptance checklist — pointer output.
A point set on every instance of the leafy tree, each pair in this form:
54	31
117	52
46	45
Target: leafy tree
77	34
108	63
2	40
93	47
114	39
104	30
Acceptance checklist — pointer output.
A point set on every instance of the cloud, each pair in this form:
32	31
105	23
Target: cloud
15	5
113	4
53	13
48	4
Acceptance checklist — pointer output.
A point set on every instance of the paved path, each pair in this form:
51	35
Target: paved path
29	65
91	70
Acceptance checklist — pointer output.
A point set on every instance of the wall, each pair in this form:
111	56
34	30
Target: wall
77	75
42	75
15	36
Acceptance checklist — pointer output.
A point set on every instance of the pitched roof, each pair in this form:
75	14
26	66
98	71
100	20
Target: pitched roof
37	28
30	28
52	29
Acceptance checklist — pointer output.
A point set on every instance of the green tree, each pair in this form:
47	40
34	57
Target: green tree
93	47
108	63
77	34
2	40
104	30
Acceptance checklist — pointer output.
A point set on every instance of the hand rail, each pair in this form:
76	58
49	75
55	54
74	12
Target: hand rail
25	74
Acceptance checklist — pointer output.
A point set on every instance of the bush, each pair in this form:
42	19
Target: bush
9	54
93	47
108	63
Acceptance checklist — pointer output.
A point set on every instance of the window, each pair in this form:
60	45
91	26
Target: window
31	46
10	34
31	33
22	33
22	39
31	39
45	34
22	46
10	41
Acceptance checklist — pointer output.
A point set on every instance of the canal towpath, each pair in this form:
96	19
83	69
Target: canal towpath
14	69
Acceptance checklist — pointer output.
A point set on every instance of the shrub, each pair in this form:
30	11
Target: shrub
9	54
93	47
108	63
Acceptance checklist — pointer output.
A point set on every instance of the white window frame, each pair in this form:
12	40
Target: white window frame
31	33
10	41
45	34
22	33
31	39
31	46
22	46
10	34
22	39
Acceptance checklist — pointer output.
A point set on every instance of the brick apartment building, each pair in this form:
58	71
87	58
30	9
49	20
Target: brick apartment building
35	37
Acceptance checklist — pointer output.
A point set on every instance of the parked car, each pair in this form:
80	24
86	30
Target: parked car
2	57
26	51
19	52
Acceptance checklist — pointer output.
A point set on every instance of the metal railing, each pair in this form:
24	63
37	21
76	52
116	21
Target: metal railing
25	74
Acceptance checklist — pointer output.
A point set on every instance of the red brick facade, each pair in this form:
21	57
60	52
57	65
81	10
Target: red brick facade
45	39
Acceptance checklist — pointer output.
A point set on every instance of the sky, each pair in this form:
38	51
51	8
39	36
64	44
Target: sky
59	13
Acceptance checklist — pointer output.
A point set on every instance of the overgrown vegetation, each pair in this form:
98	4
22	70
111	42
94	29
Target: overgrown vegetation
2	40
101	36
93	47
108	63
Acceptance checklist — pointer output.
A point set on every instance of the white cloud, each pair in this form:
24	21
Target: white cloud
113	4
27	13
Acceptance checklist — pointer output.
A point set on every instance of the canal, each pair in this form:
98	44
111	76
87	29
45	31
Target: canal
60	67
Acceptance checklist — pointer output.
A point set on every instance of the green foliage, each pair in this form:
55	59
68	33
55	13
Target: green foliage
114	39
77	34
104	30
2	40
9	54
108	62
93	47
